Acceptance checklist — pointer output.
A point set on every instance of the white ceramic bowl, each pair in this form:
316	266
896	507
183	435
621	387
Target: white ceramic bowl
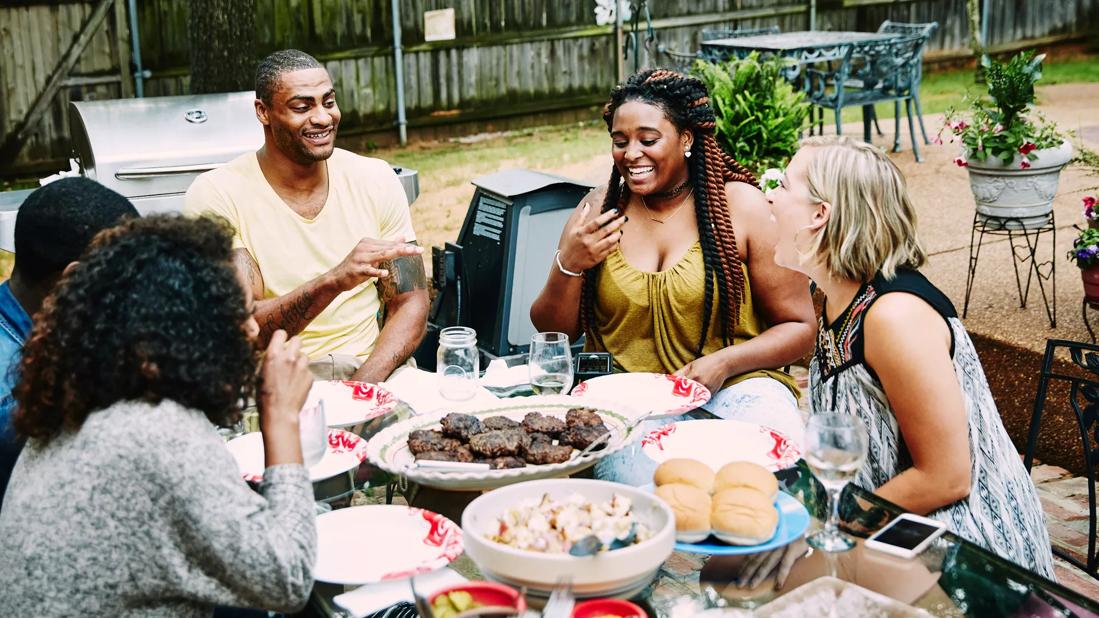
618	573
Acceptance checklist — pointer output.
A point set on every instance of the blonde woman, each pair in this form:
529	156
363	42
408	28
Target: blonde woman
891	349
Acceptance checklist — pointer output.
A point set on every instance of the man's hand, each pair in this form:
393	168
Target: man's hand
365	261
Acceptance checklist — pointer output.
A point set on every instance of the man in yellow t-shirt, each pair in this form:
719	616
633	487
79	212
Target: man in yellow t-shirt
323	236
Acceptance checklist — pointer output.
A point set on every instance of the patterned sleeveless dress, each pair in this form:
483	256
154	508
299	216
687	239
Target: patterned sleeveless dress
1002	512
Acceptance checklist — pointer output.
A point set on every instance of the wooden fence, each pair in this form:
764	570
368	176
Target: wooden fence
509	57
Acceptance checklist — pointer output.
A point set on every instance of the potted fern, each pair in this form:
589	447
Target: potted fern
1014	162
760	117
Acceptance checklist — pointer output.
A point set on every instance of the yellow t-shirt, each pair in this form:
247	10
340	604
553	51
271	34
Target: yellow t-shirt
365	200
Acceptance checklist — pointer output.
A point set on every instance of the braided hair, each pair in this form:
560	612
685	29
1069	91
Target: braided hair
686	104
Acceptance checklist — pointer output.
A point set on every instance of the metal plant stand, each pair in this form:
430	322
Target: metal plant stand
1024	251
1085	305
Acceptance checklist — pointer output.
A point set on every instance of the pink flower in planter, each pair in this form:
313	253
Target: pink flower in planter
1027	148
1089	201
960	162
999	128
958	126
1024	164
937	140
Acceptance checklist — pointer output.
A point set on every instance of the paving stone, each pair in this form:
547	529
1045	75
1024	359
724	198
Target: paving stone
1061	509
1042	474
1075	486
1074	579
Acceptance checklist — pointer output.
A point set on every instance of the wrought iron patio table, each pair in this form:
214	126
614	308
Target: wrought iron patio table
805	47
953	577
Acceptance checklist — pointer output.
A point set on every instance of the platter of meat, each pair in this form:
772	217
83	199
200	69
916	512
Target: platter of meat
520	439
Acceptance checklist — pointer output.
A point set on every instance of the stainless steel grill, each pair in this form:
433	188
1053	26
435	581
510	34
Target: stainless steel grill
151	149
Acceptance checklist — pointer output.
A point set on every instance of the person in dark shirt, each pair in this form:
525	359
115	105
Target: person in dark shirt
53	227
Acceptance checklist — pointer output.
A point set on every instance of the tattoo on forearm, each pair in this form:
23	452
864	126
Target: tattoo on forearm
406	273
292	316
246	265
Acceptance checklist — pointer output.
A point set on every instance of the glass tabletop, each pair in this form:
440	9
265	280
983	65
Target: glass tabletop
953	577
789	42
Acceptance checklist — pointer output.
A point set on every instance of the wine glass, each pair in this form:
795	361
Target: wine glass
835	447
550	363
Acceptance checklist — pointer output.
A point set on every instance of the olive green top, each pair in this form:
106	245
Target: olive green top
652	321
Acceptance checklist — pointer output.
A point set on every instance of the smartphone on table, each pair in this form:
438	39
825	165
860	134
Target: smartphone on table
906	536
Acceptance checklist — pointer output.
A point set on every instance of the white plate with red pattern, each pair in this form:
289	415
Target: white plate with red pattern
663	394
348	403
345	452
370	544
718	442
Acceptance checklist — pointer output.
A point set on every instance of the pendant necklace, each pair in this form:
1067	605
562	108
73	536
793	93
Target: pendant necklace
674	212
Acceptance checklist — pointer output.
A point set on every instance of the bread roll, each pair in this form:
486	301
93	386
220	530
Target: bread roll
692	508
746	474
686	471
743	516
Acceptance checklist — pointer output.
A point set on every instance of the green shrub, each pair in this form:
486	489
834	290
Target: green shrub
760	117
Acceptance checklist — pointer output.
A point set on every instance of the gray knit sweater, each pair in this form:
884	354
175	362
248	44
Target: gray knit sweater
142	512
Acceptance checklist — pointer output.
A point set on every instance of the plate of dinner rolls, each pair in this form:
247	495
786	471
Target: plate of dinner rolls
736	509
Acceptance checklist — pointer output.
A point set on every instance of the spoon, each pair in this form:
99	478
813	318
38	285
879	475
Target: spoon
591	545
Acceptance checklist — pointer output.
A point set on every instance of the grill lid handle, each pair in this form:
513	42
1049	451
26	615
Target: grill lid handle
133	173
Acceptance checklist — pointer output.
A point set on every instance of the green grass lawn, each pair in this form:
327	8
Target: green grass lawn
943	90
451	163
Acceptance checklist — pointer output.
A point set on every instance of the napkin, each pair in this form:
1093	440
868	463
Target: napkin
370	598
499	375
418	389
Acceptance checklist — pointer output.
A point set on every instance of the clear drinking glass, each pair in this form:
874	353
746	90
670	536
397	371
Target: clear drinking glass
313	431
550	363
458	363
835	447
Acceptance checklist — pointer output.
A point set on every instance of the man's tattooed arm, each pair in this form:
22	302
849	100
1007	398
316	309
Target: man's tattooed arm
291	312
406	274
404	296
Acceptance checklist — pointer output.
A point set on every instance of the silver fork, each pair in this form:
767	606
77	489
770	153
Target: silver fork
561	601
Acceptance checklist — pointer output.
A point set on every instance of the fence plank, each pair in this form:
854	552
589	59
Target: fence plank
508	55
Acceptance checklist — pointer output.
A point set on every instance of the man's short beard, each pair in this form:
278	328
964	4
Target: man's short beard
293	148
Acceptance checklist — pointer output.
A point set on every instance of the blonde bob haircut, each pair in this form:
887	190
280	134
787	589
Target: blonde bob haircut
872	226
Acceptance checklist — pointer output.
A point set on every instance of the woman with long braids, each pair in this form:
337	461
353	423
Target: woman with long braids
670	267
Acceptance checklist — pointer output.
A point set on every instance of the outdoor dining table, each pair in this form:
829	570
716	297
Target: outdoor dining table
953	577
805	47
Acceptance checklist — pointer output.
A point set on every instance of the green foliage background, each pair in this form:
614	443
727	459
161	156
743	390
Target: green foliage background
760	117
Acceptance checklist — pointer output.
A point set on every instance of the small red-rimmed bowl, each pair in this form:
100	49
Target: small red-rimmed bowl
487	593
607	607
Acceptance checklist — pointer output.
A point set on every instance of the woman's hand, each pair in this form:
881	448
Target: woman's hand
708	371
285	385
778	562
591	239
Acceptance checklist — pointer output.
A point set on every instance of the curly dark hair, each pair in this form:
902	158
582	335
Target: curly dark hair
686	104
154	310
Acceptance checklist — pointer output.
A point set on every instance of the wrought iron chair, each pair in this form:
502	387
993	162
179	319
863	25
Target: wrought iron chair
886	71
1083	397
924	30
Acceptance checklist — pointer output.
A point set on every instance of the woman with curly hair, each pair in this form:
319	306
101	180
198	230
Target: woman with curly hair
125	500
692	289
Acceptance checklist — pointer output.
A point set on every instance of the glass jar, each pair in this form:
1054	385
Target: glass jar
458	363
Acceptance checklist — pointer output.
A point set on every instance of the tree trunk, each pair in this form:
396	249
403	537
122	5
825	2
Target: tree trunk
222	37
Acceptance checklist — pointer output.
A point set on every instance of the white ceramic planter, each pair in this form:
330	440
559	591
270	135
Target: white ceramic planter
1005	191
